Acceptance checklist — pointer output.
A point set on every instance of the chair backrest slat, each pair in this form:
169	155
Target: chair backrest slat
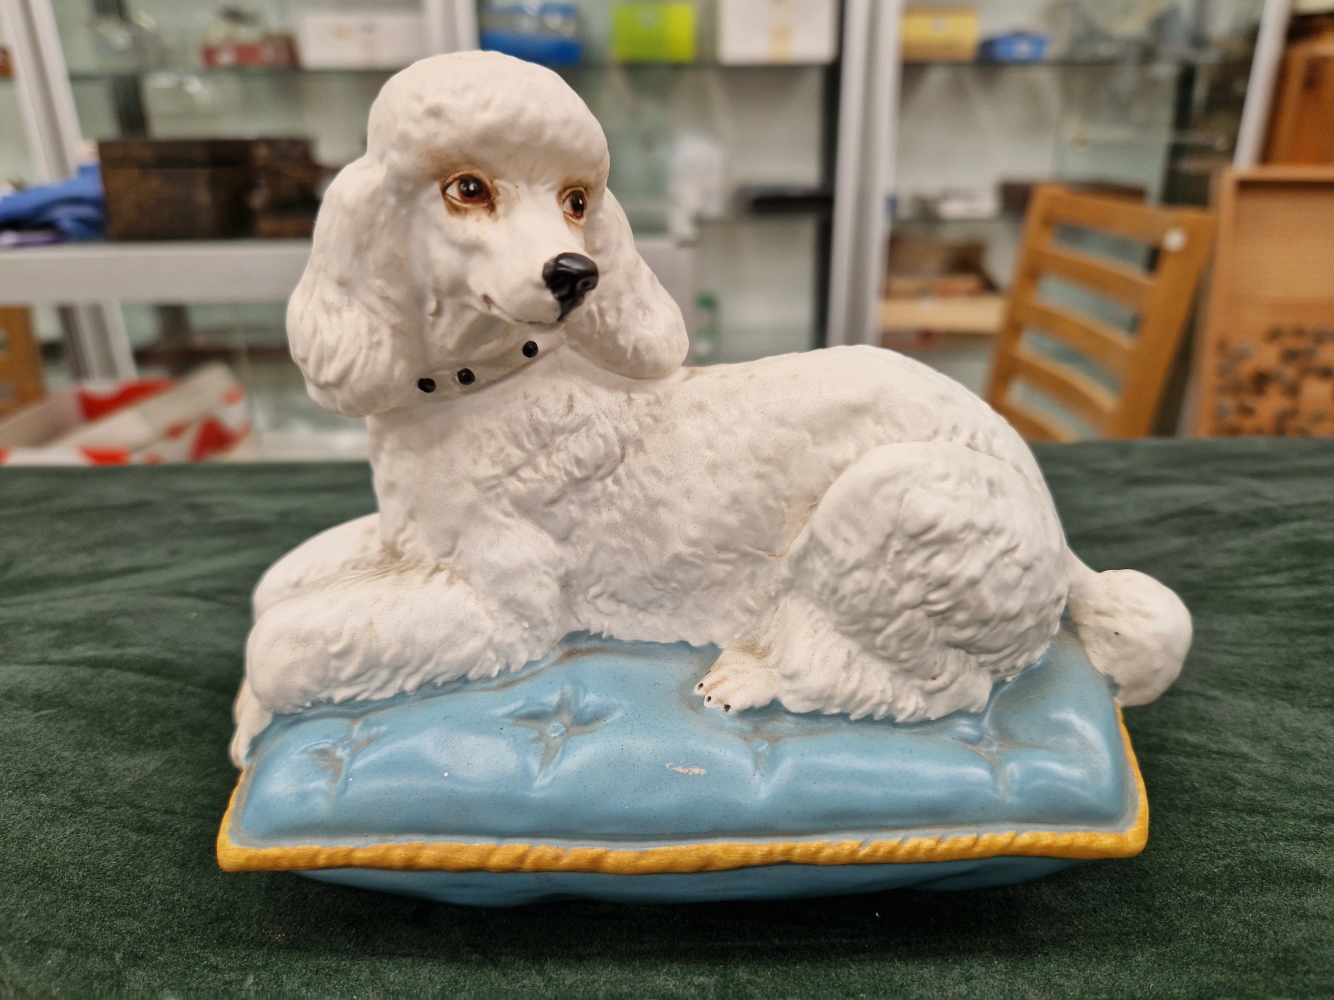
1072	389
1105	344
1119	216
1112	280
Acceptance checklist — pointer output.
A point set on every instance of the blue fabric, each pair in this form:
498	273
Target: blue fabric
75	207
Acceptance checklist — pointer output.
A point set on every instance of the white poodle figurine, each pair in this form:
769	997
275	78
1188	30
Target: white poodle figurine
856	532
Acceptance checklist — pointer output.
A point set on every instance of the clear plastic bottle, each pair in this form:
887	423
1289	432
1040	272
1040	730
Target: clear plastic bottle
704	341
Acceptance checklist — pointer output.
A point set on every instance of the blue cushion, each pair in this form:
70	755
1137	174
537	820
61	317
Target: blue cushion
598	772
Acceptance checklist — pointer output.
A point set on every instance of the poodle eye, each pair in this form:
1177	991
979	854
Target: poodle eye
576	204
468	190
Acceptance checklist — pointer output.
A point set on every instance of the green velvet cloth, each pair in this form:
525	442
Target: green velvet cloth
123	614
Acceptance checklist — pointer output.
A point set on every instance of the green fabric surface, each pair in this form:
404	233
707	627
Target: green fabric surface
123	613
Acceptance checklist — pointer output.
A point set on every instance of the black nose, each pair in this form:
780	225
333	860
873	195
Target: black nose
570	276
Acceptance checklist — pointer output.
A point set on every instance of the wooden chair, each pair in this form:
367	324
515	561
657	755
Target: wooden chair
1159	297
1266	359
20	361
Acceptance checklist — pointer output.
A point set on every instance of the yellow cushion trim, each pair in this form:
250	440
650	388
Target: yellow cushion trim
456	857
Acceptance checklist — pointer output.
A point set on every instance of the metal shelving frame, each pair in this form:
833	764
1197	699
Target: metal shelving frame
104	274
253	270
868	126
94	332
864	168
261	270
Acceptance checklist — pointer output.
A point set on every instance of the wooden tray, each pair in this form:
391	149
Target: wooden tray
1267	351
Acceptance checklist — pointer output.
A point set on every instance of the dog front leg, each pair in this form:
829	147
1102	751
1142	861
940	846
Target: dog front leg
371	633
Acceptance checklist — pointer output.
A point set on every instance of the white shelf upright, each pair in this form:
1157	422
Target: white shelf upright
864	170
93	329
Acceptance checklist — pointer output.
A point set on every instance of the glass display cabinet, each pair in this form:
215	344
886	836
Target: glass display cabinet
15	163
722	154
764	150
727	154
1142	99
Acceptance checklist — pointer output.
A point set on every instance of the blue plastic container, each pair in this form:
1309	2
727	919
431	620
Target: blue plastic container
1017	46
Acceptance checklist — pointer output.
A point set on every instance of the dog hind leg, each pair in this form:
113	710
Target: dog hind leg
926	573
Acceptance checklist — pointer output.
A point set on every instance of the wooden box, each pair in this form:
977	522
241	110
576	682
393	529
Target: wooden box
283	198
176	189
1301	129
1267	352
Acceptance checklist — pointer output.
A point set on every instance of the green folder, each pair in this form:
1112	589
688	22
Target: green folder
653	32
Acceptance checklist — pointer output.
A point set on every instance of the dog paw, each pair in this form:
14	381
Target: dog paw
739	679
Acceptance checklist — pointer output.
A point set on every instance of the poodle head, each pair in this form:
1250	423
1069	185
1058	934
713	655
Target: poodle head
478	218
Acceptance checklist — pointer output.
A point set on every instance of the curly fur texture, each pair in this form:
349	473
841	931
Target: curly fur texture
857	532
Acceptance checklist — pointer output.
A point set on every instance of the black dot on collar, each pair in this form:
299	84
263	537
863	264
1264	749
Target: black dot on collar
466	377
530	349
426	384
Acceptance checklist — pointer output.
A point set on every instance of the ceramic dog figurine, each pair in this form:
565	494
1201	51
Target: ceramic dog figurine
858	533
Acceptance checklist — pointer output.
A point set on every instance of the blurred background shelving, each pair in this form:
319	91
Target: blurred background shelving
15	163
1144	99
730	173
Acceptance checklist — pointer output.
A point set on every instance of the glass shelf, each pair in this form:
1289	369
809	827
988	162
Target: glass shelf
1145	64
933	220
99	75
96	75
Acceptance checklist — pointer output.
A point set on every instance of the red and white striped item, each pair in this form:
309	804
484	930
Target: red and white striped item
145	421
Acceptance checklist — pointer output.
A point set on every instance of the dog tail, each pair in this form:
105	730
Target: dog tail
1135	630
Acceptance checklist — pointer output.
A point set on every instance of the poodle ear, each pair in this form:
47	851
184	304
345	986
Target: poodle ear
349	330
628	324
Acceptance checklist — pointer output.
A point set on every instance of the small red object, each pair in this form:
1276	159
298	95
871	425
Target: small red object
106	456
215	438
272	52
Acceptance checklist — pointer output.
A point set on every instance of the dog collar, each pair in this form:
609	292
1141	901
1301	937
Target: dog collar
480	374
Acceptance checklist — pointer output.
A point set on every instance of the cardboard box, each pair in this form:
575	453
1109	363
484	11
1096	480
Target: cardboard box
271	52
760	32
940	34
360	40
176	189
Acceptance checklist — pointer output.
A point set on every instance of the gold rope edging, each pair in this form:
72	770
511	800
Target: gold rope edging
687	858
